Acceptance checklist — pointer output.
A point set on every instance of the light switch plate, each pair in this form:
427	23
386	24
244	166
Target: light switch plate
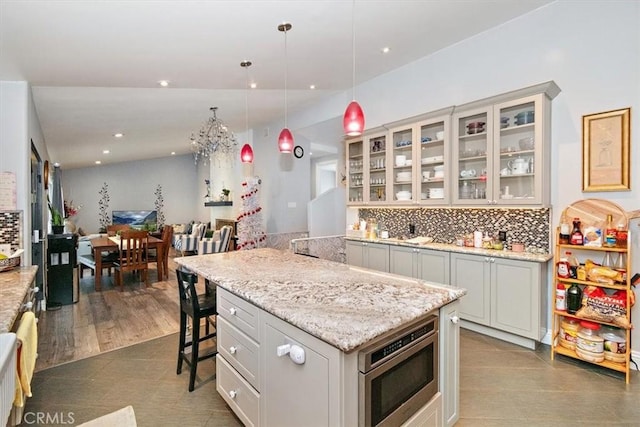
5	249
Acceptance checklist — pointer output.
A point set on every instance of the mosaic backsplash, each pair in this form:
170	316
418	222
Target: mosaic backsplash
529	226
11	229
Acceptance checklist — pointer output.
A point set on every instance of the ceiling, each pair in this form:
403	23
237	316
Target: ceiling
94	67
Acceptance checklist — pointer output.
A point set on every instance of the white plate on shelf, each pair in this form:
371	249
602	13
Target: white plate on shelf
403	180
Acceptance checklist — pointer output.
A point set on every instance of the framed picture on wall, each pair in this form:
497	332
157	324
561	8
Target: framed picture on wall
605	151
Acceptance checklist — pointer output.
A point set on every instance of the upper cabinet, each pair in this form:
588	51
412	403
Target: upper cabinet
367	162
489	152
501	149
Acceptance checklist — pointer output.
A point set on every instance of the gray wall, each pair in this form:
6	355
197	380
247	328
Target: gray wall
132	185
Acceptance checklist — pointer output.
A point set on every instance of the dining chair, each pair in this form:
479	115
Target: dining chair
219	242
133	255
167	235
113	229
196	307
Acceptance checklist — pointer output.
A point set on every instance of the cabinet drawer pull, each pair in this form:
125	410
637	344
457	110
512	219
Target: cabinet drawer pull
233	394
233	349
454	319
232	311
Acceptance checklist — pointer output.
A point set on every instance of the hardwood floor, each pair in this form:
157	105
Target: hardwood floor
109	319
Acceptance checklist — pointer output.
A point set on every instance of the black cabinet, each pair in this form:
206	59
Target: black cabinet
62	283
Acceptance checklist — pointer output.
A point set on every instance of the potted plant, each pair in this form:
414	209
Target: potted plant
57	221
225	194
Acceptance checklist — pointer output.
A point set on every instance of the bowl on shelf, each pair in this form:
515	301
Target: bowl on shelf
403	176
524	118
475	127
527	143
403	195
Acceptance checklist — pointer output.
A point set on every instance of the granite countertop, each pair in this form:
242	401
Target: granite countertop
14	285
341	305
524	256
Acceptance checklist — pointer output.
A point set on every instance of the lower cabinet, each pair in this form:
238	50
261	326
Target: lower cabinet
425	264
368	255
504	294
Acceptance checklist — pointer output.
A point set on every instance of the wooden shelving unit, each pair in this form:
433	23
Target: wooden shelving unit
592	212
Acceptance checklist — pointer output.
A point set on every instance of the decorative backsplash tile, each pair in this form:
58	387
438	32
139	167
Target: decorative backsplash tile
529	226
11	229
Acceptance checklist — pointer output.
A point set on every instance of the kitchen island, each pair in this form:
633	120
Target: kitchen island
331	310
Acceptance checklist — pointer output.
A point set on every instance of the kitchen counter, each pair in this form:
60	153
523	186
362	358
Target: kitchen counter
524	256
14	285
344	306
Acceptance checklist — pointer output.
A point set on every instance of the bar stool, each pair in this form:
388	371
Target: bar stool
197	307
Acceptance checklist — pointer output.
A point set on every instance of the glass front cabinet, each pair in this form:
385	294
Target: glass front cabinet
489	152
367	162
501	152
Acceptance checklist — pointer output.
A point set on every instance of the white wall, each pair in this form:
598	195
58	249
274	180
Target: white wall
19	126
132	185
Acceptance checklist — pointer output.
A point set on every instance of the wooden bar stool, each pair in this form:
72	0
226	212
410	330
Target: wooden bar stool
197	307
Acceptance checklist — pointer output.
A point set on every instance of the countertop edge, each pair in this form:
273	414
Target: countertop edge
447	247
14	285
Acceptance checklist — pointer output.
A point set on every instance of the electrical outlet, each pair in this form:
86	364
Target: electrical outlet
5	249
412	228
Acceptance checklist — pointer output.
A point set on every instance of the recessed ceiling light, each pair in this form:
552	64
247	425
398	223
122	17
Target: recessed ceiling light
105	151
253	85
118	135
312	87
163	83
173	153
386	50
98	162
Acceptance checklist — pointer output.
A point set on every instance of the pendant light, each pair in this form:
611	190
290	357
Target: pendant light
285	139
246	153
353	120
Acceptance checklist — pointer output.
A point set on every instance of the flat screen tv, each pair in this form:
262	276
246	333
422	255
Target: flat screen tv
140	220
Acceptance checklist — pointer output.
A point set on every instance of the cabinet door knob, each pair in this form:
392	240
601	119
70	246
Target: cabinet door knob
455	319
232	311
486	259
233	394
492	259
233	349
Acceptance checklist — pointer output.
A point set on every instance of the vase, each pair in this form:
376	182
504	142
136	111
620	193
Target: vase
69	226
57	229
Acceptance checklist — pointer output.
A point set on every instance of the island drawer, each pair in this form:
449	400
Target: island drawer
239	350
238	312
239	395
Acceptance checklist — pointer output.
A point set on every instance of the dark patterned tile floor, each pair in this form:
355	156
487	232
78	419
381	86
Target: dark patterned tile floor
500	385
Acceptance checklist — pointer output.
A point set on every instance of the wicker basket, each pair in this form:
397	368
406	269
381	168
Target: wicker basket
9	263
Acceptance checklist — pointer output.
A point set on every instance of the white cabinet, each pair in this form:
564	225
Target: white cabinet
306	394
425	264
502	294
237	367
368	255
501	149
367	163
450	362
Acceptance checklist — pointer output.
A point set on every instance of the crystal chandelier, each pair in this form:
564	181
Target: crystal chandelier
214	140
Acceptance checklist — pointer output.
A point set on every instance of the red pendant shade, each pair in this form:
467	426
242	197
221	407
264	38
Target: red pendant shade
285	141
353	119
246	154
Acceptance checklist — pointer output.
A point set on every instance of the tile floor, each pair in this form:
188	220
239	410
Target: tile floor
500	385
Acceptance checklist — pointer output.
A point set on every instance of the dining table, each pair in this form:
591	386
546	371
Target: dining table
103	244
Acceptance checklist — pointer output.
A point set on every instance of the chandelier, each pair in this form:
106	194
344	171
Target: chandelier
214	140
